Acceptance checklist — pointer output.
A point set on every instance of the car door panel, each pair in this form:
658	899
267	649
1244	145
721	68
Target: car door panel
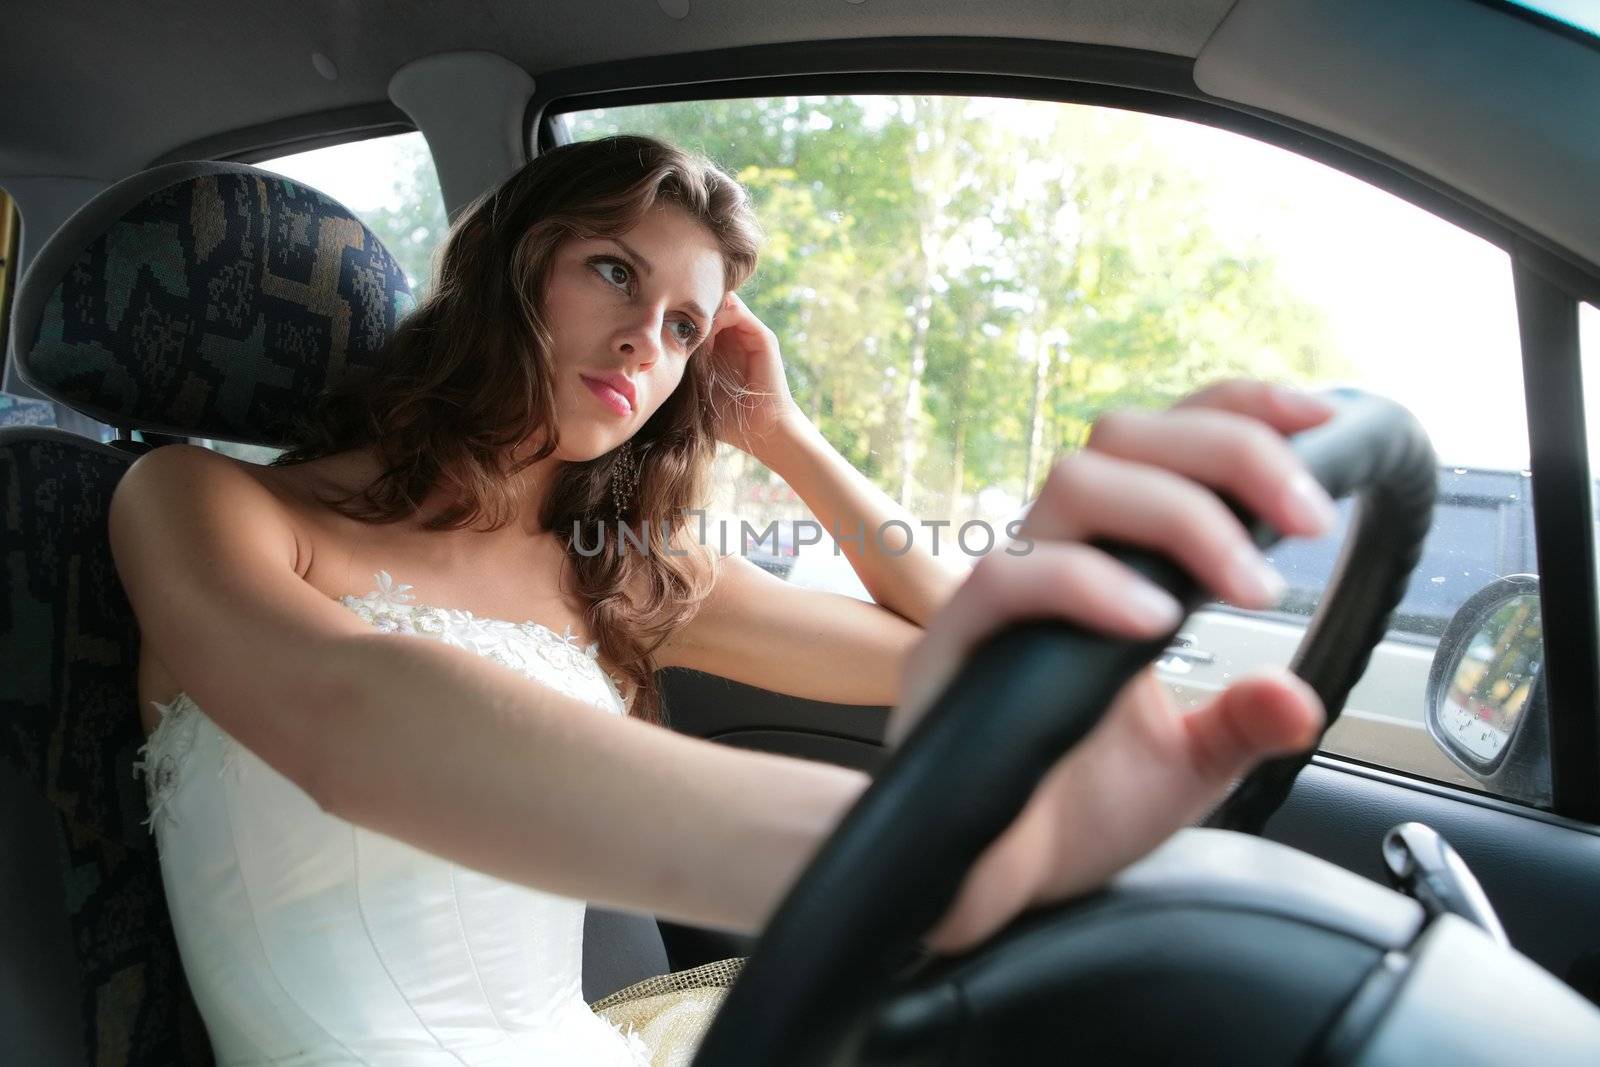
705	705
847	752
1538	870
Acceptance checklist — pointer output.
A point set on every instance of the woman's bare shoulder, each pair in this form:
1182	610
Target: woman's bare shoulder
184	489
197	474
179	471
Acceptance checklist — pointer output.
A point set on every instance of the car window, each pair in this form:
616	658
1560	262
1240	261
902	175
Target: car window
961	285
391	185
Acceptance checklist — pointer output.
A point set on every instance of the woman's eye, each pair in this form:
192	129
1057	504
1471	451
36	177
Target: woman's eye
689	334
613	271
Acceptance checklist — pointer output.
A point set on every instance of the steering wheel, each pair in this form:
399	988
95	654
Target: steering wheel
837	950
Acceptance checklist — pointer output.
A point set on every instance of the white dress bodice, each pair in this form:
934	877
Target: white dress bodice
309	940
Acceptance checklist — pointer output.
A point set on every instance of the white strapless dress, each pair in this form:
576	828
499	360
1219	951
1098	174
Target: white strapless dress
309	940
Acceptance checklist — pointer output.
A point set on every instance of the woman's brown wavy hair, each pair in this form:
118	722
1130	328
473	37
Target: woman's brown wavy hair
466	378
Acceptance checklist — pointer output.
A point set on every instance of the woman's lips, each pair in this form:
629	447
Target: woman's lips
608	396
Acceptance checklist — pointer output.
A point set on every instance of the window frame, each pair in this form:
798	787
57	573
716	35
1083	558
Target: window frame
1545	21
300	133
1548	281
1562	520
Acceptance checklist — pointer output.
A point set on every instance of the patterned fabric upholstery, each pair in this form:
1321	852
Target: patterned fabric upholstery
205	299
199	299
69	654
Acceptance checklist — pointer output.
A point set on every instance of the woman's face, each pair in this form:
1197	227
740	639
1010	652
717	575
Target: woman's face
624	314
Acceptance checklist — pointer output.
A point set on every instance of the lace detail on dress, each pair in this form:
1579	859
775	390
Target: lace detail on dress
530	648
165	752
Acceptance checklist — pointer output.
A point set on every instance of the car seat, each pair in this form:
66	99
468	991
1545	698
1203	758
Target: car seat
203	300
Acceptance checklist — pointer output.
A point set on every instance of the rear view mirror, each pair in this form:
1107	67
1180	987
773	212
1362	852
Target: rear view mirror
1486	692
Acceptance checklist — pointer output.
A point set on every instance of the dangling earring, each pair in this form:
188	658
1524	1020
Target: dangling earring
624	479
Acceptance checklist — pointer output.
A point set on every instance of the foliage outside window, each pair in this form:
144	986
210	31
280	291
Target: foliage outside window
956	304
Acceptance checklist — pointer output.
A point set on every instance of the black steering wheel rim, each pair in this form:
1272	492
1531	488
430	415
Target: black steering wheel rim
892	867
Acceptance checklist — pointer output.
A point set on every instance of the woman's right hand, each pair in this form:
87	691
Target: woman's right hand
1148	768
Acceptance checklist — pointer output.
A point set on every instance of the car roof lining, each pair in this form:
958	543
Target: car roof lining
1304	59
1495	106
110	87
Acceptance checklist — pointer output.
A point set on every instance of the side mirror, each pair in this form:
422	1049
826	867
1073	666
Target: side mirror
1486	693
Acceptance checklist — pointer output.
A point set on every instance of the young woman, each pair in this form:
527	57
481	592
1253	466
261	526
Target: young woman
378	835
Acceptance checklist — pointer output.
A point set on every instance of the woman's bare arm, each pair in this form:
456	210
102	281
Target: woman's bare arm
895	563
441	748
482	768
760	630
757	414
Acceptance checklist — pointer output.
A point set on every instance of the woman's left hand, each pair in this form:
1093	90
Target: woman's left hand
750	394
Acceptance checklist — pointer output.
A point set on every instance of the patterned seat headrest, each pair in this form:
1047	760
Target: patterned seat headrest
207	300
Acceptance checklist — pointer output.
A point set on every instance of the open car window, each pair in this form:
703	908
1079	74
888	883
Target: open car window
961	285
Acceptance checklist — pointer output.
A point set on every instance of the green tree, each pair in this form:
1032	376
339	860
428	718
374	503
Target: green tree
411	222
959	294
1112	255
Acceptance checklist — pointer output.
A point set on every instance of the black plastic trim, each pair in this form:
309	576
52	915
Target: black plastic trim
865	756
1564	532
301	133
1131	79
1456	794
689	73
1544	22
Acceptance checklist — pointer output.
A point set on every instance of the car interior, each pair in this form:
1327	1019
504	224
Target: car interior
1421	886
